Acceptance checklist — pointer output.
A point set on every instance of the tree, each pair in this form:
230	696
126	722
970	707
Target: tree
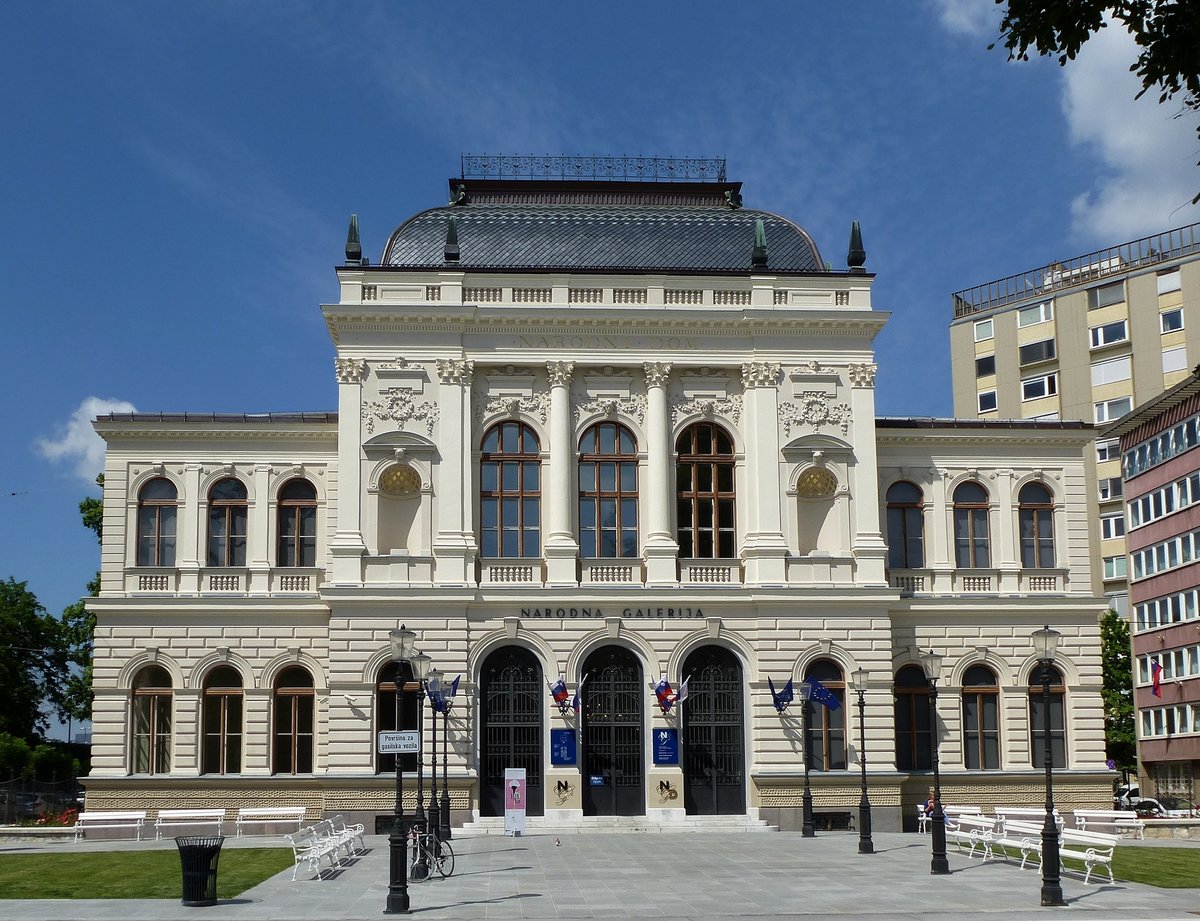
31	659
1167	31
1117	691
74	699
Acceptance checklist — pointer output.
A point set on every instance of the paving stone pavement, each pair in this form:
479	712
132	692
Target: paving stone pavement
675	877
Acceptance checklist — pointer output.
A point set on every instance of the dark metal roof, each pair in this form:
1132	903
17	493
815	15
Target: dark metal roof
223	418
622	238
927	422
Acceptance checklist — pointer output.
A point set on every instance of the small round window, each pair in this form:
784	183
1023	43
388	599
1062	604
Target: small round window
400	480
816	483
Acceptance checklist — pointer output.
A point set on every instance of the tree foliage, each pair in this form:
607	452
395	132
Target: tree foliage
78	627
1117	691
31	659
1167	33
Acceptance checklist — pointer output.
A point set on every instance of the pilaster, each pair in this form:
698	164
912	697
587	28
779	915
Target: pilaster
764	549
347	546
561	549
870	549
660	547
454	547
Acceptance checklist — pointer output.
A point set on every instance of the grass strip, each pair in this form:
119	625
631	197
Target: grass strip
130	874
1164	867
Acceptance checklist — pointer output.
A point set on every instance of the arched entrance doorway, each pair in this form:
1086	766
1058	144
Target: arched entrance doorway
714	762
613	700
510	731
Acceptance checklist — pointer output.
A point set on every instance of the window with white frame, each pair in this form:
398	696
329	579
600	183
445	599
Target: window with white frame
1175	360
984	330
1114	567
1167	610
1180	663
987	401
1169	721
1111	410
1176	551
1171	320
1112	526
1038	313
1108	450
1112	371
1168	281
1162	447
1043	385
1105	295
1033	352
1165	500
1109	333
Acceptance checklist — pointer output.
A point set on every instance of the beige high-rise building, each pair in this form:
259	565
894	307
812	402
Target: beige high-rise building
1089	338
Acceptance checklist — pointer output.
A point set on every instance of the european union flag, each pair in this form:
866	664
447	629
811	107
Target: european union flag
823	695
781	698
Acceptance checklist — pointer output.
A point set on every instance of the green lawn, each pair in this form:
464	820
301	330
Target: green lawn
1165	867
130	874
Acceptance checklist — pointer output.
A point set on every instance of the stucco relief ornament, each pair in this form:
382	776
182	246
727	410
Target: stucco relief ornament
815	409
863	375
760	374
657	373
536	405
398	405
350	370
560	372
454	371
634	407
707	408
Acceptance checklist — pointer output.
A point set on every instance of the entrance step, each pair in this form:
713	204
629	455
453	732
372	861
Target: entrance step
553	825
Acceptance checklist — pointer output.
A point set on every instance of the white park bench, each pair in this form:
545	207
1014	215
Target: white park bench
972	831
311	847
1026	837
1118	819
268	815
170	817
1026	814
950	812
1092	848
134	819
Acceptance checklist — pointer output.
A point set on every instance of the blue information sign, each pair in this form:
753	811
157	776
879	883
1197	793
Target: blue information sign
562	746
666	746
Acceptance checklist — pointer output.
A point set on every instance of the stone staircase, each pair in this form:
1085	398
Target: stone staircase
577	825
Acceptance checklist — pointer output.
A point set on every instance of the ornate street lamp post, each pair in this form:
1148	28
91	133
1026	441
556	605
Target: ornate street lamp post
938	864
434	683
806	706
1045	644
865	844
420	668
445	826
397	898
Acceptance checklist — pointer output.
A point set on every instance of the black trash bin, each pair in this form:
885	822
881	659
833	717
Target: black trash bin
198	857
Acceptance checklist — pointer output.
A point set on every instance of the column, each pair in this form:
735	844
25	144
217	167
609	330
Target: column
454	547
660	547
258	553
869	547
191	532
560	547
1002	524
347	547
764	549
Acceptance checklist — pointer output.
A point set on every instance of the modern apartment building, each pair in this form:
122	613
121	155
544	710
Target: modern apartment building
1088	338
1160	454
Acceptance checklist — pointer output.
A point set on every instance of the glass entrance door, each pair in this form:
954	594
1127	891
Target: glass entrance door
714	766
613	700
510	733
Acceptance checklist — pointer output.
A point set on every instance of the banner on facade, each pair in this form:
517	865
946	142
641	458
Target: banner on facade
562	746
666	746
514	801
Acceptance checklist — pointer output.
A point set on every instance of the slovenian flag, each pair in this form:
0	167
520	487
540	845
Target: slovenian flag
576	703
823	695
559	691
1156	678
663	692
781	698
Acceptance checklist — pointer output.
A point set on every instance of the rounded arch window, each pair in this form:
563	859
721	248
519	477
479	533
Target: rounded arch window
972	539
905	526
981	719
1036	518
914	741
152	721
510	492
396	703
1042	705
705	498
227	516
608	492
157	501
221	734
297	524
827	726
292	714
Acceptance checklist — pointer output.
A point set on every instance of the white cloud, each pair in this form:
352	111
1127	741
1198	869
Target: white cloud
968	17
1149	172
76	442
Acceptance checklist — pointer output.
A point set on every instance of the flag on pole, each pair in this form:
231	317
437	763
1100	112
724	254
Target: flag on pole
683	691
781	699
454	686
576	703
665	695
823	695
1156	678
559	692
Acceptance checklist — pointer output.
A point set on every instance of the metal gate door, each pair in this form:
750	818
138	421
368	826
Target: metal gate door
613	701
510	731
713	745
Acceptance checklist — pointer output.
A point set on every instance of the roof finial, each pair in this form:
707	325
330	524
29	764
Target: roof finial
758	257
353	247
451	252
857	255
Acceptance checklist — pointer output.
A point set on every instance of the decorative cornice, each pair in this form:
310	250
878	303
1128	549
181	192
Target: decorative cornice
863	375
560	372
760	374
657	373
455	371
729	407
350	370
536	405
397	404
634	407
814	408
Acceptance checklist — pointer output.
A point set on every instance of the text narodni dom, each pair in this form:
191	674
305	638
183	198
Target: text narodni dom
625	612
602	341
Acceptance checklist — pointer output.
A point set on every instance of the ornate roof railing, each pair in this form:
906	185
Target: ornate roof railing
620	169
1115	260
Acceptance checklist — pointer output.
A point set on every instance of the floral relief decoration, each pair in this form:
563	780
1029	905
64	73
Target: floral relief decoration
816	409
397	405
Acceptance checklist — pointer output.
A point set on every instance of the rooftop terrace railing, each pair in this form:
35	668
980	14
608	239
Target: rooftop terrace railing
1115	260
620	169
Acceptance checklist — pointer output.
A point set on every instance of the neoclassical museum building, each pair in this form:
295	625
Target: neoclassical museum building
596	419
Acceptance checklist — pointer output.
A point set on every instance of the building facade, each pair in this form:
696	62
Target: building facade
1089	338
616	431
1159	452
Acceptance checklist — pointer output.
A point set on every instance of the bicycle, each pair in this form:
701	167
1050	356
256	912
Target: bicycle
430	853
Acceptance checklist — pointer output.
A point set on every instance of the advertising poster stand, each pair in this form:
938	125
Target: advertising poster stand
514	801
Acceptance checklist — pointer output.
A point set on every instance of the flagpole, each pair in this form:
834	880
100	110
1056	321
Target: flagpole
809	829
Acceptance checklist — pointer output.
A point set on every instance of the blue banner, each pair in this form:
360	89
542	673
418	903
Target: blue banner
562	746
666	746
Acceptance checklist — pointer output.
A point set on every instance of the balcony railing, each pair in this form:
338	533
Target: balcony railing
710	572
611	572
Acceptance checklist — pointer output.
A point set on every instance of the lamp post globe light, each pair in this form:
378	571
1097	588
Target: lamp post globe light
402	641
1045	644
938	864
420	669
434	683
865	844
445	817
805	692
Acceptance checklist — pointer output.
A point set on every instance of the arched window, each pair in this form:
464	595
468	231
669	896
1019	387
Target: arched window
1037	716
608	492
705	495
914	741
156	523
971	550
227	523
293	722
221	751
510	492
1036	513
905	527
827	727
152	721
981	719
396	704
297	524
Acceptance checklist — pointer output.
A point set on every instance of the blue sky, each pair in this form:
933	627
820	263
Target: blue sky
177	180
